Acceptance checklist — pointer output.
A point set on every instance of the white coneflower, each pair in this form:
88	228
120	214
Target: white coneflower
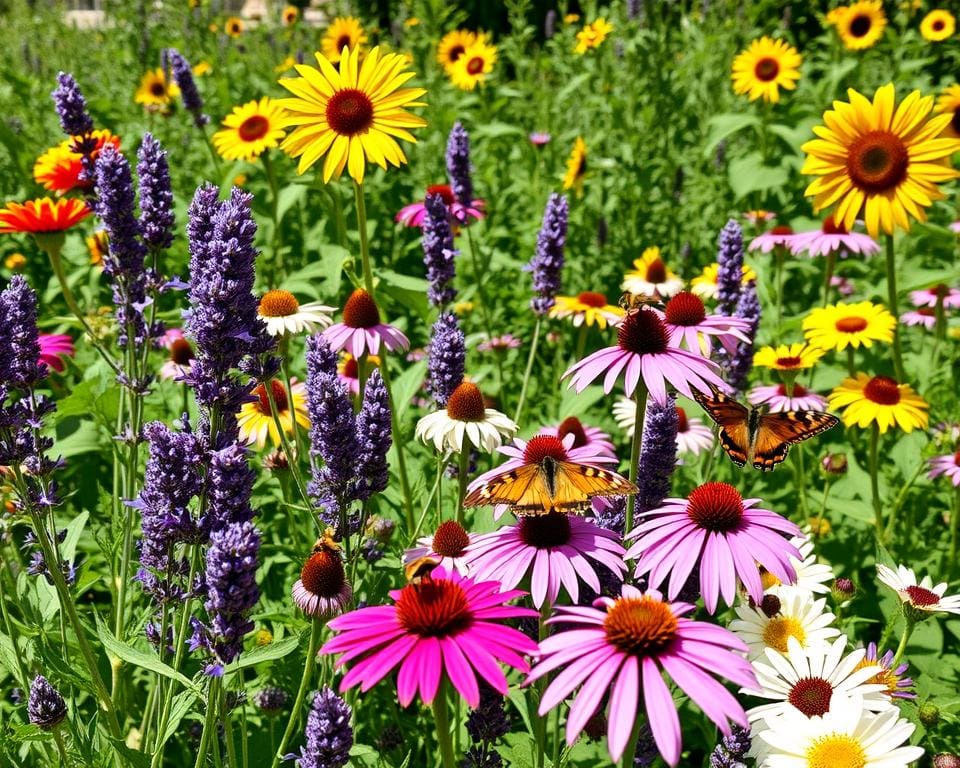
283	314
465	422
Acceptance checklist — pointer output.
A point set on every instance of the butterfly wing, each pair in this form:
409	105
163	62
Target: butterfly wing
514	487
733	420
575	484
776	432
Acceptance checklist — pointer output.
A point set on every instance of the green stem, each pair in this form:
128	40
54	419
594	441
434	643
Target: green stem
898	502
802	484
462	480
399	443
892	302
828	276
217	168
904	639
441	466
557	736
823	509
285	443
227	729
581	343
529	370
364	245
639	417
875	478
851	363
305	681
954	528
441	717
478	276
277	267
630	752
779	253
209	722
61	748
25	678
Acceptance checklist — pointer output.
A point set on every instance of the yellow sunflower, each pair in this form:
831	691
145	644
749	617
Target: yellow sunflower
949	103
453	44
841	325
861	24
587	308
764	68
290	15
938	25
249	130
704	285
576	167
879	400
592	35
474	65
794	357
233	26
256	419
879	160
344	32
351	115
155	91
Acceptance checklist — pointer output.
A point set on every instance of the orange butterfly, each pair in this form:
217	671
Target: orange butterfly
763	439
549	485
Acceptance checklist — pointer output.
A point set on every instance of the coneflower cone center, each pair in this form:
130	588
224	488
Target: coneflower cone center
181	352
685	309
640	626
956	458
450	539
444	191
798	391
361	310
860	25
322	574
466	403
830	227
349	112
682	423
922	597
572	426
545	531
592	299
643	333
766	69
781	230
811	695
279	397
882	390
852	324
716	507
254	128
656	271
433	608
278	303
836	751
877	161
540	447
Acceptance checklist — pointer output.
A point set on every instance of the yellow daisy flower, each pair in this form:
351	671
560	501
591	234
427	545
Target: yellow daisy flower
250	130
453	44
949	103
879	160
592	35
879	400
413	21
650	276
15	262
285	66
576	167
764	68
861	24
472	68
155	91
571	18
794	357
97	247
352	115
256	420
233	26
202	68
587	308
938	25
343	32
841	325
704	285
290	15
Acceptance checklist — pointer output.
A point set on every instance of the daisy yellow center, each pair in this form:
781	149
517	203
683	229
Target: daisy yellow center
836	751
278	303
475	65
541	447
877	161
642	333
656	271
444	191
592	299
685	309
254	128
716	507
882	390
322	574
860	25
883	676
780	629
361	311
852	324
640	626
682	424
466	403
181	352
921	597
811	695
545	531
349	112
766	69
572	426
450	539
433	608
263	400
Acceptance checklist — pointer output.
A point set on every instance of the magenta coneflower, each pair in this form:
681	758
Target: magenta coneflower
833	238
928	297
923	316
552	550
623	646
778	237
583	436
448	546
948	465
361	329
689	325
775	397
446	626
322	589
414	214
727	535
499	343
53	348
643	351
181	357
955	226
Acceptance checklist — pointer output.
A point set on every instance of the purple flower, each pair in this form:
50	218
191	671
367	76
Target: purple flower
658	454
547	263
458	163
634	9
328	734
374	438
71	106
19	345
489	721
446	358
271	699
156	196
231	585
730	274
229	485
438	252
172	60
739	364
46	708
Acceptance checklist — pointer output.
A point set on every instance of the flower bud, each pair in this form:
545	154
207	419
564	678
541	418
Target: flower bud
929	714
834	464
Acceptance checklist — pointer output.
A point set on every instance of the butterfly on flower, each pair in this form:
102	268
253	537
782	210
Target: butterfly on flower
748	434
634	301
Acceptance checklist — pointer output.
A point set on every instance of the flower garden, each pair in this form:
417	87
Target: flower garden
521	384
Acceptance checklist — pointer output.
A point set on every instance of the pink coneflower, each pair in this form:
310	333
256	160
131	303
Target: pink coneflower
923	316
689	325
643	350
928	296
446	626
539	139
778	237
348	371
322	589
553	550
623	646
181	357
897	686
948	465
414	214
583	436
53	347
777	399
832	238
693	436
721	531
499	343
361	329
448	546
955	226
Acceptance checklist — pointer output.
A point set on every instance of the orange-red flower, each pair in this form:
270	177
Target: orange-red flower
42	215
59	168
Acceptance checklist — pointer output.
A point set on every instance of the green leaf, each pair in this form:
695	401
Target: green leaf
139	658
749	174
132	756
270	652
406	385
289	196
727	124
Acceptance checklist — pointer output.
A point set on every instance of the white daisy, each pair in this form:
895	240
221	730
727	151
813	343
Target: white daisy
693	436
447	546
465	422
812	577
283	314
922	595
845	736
771	624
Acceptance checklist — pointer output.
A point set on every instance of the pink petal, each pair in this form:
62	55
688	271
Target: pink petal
459	671
664	721
622	712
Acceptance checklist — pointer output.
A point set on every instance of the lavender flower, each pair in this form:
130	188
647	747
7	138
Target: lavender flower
46	708
658	454
550	24
172	60
156	195
647	752
458	163
730	274
547	263
71	106
610	513
446	358
438	251
229	486
231	586
739	365
489	721
19	348
732	750
270	700
374	438
634	9
328	734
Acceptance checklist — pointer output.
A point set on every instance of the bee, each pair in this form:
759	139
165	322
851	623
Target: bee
420	569
631	302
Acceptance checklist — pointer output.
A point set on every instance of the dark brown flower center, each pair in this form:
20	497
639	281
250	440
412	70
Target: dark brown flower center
791	361
956	458
770	605
541	447
158	89
926	312
466	403
955	121
279	397
882	390
682	424
444	191
181	352
831	227
361	311
851	324
433	608
642	333
656	271
475	65
781	230
322	574
278	303
938	25
450	539
592	299
456	52
343	42
860	25
877	161
350	368
572	426
766	70
716	507
922	597
685	309
545	531
349	112
798	391
640	626
254	128
811	695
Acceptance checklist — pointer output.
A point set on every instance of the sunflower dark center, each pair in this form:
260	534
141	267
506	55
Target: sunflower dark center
685	309
791	361
851	324
573	426
860	25
450	539
466	403
444	191
456	52
882	390
158	89
361	311
350	112
254	128
682	423
322	574
877	161
642	333
475	65
592	299
640	626
541	447
716	507
433	608
811	695
656	271
278	303
766	70
955	120
922	597
279	397
545	531
343	42
938	25
181	352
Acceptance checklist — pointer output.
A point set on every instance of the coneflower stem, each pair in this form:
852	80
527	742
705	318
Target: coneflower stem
362	231
640	414
462	480
529	370
909	624
305	682
630	752
828	276
441	716
874	478
892	302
